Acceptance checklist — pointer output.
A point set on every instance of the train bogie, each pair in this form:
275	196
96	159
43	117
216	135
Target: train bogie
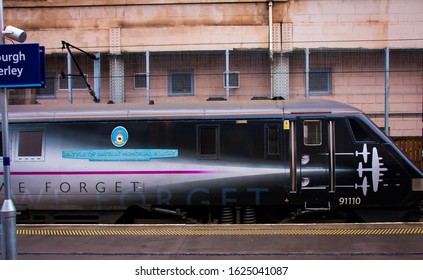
211	163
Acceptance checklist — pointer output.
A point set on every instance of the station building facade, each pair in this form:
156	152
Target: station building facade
364	53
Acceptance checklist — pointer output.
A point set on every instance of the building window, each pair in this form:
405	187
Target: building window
30	145
181	82
77	82
50	90
208	141
233	80
140	80
312	133
320	81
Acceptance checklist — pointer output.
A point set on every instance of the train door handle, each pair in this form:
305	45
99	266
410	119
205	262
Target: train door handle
305	159
305	181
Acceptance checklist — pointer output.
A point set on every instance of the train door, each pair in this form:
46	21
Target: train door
315	161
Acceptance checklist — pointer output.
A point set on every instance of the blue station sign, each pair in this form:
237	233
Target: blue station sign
22	66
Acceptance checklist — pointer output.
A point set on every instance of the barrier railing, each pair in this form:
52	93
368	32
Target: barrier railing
412	147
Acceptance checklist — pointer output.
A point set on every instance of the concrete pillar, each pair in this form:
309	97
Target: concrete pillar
280	75
117	79
117	68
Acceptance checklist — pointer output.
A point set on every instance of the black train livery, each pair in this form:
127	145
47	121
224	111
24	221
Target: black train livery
211	162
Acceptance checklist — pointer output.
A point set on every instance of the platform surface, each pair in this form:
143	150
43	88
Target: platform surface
395	241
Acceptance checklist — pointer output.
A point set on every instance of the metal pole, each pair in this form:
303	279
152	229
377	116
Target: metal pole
97	76
307	72
70	88
8	210
227	74
270	5
272	79
147	74
387	91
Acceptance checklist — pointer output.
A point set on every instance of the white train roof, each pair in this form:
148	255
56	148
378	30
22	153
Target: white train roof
164	111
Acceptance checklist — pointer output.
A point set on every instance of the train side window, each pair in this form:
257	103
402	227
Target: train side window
273	141
312	132
359	132
30	145
208	145
1	144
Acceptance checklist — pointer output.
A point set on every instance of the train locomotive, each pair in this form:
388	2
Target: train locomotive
214	162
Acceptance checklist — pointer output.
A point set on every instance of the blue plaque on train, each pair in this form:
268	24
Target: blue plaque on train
22	66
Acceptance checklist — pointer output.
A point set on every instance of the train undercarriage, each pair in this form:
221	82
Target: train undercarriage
221	215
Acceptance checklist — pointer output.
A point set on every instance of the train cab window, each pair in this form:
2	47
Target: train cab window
273	137
359	131
312	132
208	141
30	145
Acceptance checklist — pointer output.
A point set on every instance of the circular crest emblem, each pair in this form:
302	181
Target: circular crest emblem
119	136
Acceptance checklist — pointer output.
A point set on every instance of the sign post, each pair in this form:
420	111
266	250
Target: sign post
8	210
21	66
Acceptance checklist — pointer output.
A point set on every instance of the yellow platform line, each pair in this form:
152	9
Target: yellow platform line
229	232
